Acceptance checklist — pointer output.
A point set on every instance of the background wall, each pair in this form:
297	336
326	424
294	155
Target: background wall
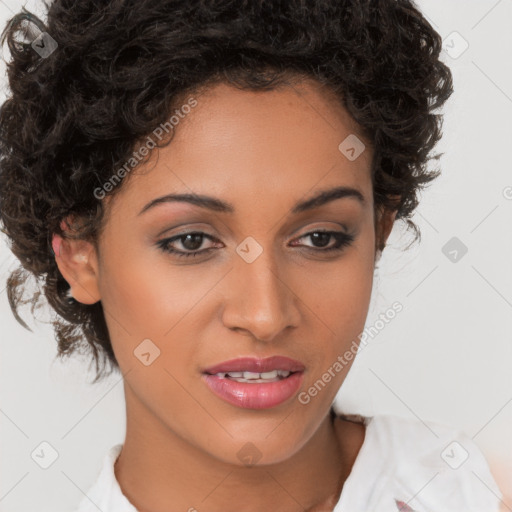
445	357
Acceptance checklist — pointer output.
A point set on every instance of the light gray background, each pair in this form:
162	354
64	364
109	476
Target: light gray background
446	357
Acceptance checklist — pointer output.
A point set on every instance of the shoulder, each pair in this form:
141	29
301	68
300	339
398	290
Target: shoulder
105	494
429	465
432	443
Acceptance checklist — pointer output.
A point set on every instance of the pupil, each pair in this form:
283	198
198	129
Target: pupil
195	236
323	237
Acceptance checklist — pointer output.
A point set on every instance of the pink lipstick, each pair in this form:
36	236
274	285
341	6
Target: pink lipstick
253	383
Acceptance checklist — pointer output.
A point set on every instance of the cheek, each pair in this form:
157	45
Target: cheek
337	298
339	292
136	301
338	302
153	300
138	287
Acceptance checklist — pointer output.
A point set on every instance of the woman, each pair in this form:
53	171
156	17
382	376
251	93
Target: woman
284	140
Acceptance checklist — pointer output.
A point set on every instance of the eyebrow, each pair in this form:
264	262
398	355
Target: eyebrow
214	204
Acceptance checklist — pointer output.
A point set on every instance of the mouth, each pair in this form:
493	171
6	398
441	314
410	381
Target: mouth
255	383
255	377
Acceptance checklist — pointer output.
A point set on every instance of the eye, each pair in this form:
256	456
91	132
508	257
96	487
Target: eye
322	238
191	242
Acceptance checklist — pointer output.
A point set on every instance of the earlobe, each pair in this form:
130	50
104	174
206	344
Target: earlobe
56	243
387	220
77	262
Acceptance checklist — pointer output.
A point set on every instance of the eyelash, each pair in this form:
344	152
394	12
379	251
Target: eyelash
342	240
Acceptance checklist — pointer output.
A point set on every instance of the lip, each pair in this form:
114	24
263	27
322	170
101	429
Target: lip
253	364
258	395
254	396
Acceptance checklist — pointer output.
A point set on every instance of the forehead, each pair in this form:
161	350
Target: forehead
243	146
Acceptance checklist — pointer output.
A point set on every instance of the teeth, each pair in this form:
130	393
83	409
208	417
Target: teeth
252	375
272	376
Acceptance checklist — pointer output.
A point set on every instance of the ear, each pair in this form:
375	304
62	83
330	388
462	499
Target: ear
385	225
78	263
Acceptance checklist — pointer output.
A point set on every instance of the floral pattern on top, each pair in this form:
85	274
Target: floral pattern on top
403	507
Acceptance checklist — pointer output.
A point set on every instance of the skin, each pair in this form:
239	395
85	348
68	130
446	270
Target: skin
262	152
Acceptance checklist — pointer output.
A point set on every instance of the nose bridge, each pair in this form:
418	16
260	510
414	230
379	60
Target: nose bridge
260	301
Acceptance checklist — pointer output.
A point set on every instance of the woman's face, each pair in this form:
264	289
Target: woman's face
263	282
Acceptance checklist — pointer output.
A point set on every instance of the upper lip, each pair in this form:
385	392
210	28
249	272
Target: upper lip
253	364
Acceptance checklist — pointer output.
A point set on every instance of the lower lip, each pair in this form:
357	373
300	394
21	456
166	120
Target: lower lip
255	396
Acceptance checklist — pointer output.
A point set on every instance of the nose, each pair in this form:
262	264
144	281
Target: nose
259	298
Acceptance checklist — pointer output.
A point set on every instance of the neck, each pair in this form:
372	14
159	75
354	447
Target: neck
160	471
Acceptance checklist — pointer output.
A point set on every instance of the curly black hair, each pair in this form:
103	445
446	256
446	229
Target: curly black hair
117	69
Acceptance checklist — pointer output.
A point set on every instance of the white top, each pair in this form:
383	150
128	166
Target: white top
403	465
